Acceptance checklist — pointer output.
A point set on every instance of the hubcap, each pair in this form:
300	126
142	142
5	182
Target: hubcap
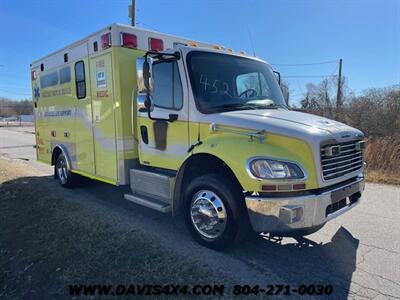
208	214
62	171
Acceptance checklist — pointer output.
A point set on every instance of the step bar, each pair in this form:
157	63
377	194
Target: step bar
149	202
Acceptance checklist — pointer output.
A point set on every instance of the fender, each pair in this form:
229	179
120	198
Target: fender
60	148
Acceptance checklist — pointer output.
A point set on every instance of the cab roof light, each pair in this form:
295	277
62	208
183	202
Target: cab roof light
242	52
218	47
229	50
106	40
128	40
156	44
193	44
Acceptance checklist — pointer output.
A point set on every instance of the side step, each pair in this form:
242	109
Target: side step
149	202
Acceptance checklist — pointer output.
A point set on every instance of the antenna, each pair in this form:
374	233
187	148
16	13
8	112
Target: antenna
251	40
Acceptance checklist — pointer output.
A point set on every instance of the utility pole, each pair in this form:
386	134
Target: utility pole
339	92
132	13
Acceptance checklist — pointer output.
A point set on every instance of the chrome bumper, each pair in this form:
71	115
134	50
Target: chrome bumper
289	213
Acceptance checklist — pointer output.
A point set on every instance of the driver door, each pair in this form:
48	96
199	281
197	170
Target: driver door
164	144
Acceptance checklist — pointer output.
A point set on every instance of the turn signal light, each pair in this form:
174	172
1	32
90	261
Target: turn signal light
299	186
156	44
129	40
268	187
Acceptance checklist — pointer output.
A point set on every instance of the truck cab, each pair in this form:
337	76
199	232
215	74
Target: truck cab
198	131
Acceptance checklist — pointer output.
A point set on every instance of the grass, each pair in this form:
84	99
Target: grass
382	156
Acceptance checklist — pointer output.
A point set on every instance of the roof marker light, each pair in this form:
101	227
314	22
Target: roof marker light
229	50
156	44
106	40
128	40
193	44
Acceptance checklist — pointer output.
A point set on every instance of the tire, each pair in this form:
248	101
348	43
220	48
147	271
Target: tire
64	175
214	211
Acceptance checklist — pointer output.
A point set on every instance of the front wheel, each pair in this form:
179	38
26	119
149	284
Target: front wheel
215	213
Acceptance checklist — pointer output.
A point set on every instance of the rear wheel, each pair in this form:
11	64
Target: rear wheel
63	173
214	211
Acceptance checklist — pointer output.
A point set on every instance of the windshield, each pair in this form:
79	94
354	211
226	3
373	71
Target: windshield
223	82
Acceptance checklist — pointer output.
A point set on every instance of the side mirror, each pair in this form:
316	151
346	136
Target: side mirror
148	103
146	74
143	67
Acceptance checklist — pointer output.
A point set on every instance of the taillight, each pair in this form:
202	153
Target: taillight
128	40
106	40
156	44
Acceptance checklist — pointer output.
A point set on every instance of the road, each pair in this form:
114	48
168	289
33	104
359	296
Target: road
358	253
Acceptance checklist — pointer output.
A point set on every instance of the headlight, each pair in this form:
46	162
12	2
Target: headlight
275	169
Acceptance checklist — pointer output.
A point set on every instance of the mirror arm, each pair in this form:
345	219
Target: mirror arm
279	76
171	119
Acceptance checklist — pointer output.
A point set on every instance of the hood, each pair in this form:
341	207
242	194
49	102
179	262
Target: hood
285	122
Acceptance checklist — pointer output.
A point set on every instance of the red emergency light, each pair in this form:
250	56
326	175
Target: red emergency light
128	40
106	40
33	75
156	44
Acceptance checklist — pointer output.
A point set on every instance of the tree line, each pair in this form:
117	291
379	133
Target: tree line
10	108
376	111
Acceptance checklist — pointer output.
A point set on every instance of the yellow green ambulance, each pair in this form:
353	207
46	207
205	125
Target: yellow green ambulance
196	130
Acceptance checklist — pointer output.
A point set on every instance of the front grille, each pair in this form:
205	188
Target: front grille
337	163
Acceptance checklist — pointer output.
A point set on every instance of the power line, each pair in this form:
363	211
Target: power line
308	64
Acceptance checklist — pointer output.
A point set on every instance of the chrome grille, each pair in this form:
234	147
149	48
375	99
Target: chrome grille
348	159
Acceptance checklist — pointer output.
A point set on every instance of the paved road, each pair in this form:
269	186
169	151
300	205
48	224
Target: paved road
358	253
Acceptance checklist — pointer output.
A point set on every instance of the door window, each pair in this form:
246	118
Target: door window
167	86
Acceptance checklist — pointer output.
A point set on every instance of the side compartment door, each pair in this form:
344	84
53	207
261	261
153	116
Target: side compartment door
164	144
83	116
103	116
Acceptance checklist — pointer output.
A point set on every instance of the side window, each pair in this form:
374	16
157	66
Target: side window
167	85
252	81
65	75
80	80
48	80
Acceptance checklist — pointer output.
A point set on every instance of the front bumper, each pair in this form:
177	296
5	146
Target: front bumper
285	214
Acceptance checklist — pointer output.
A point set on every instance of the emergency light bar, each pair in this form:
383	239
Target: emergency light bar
128	40
156	44
106	40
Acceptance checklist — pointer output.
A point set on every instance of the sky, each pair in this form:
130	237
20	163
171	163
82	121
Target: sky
292	35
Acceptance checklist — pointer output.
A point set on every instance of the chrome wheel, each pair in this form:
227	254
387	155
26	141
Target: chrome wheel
62	171
208	214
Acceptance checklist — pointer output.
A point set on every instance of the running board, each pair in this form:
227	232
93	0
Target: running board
148	202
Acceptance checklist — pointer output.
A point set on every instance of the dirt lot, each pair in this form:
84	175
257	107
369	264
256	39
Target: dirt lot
47	243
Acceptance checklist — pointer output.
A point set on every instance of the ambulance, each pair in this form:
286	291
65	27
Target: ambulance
198	131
